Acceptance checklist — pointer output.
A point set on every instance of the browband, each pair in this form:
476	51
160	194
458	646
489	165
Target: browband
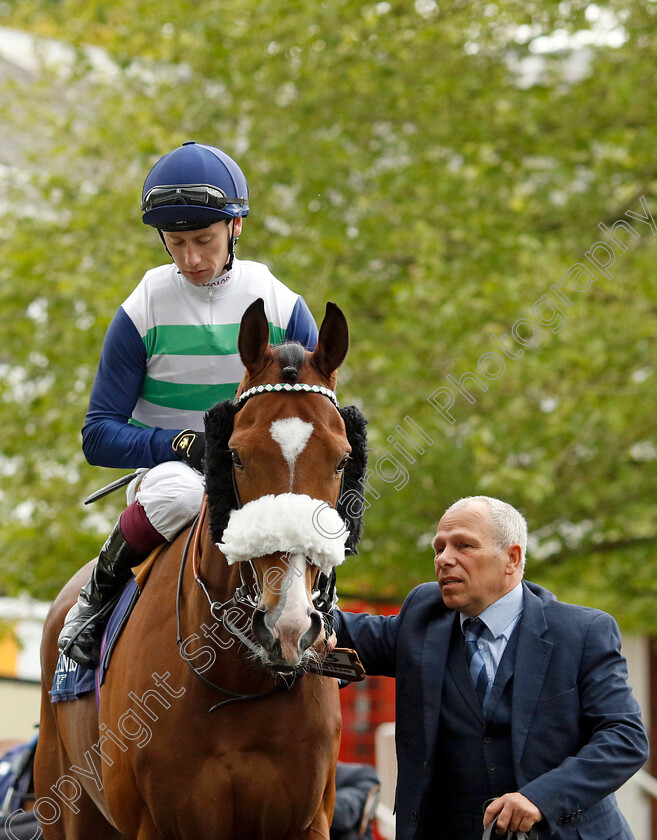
284	386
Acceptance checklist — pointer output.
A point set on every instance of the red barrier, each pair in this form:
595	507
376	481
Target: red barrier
366	704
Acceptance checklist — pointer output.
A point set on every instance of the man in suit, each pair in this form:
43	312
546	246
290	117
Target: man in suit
525	715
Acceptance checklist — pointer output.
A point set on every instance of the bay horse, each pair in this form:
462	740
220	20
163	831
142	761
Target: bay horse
209	723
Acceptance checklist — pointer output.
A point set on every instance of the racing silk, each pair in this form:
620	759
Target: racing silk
170	354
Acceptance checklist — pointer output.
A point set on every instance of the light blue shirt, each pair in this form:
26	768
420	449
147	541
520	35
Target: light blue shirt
500	619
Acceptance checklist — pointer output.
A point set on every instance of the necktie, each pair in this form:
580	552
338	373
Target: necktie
474	627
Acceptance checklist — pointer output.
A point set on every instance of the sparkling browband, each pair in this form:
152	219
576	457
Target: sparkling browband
284	386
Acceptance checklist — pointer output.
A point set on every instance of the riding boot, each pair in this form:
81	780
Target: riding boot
85	621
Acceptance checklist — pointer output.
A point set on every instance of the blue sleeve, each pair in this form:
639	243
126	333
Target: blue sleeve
353	782
108	440
607	719
373	637
301	326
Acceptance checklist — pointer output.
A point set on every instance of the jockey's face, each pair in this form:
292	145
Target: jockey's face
201	255
472	571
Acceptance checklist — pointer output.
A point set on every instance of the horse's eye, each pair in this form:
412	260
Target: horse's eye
343	463
237	461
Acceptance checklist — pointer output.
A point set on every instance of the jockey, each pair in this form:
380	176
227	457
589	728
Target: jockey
169	355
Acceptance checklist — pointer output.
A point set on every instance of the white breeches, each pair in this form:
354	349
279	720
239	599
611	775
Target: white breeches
170	494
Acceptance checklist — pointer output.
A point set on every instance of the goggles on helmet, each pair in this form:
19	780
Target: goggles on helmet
199	195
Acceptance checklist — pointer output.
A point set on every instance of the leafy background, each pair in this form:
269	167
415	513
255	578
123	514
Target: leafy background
432	168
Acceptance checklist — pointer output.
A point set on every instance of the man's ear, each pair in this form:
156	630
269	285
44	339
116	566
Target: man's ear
237	227
514	559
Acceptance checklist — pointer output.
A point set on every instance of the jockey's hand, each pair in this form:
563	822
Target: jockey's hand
331	642
515	813
189	446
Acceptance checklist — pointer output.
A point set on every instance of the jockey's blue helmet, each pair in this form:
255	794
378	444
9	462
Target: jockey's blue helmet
192	187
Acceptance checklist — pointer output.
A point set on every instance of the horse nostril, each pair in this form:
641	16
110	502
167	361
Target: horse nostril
262	633
312	632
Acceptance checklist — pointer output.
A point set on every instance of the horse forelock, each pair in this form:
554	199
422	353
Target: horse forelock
287	363
291	358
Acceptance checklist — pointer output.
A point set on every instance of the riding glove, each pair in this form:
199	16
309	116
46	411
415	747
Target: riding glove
189	446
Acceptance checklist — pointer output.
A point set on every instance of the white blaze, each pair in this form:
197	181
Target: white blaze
291	618
292	435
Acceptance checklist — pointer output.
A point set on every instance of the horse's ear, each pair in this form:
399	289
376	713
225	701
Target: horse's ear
333	342
253	340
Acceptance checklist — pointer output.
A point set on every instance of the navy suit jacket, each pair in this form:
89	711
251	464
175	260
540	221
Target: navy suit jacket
576	729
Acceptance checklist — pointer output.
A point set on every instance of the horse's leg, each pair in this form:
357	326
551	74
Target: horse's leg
64	808
319	828
67	730
147	830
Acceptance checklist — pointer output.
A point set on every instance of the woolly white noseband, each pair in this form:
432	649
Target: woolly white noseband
291	523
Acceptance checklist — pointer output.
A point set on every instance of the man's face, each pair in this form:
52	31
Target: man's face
472	572
201	254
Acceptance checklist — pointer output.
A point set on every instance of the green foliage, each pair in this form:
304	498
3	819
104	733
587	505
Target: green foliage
401	165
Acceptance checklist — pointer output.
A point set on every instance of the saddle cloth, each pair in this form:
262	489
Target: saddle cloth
72	681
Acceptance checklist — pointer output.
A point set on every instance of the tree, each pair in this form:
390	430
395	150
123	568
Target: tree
436	170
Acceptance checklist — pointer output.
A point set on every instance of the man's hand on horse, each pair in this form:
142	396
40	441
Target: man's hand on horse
514	812
189	446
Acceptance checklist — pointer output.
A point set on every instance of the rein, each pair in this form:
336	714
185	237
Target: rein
193	541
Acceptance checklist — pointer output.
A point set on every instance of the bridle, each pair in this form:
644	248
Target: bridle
240	595
278	387
246	594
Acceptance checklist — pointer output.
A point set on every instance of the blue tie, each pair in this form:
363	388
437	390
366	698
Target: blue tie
473	628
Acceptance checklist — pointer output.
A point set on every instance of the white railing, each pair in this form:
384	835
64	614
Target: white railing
386	767
646	782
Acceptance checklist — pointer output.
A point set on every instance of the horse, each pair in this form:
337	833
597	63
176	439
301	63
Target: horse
214	718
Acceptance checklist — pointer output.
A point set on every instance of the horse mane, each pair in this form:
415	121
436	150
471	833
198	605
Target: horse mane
219	467
351	504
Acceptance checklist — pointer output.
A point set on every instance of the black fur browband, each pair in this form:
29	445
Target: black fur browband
220	488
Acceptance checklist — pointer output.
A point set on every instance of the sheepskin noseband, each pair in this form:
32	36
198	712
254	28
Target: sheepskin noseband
291	523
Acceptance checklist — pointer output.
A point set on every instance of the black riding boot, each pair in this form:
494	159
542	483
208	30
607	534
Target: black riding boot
85	621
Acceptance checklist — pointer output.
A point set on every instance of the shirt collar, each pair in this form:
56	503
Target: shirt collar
500	617
209	291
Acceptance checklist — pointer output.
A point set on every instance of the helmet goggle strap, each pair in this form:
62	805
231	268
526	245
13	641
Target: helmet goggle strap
232	241
200	195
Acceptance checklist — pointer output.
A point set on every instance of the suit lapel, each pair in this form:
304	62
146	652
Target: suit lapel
434	658
532	659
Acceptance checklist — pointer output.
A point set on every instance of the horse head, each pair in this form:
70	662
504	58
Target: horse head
285	469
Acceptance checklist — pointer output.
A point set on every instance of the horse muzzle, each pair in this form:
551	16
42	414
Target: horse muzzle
280	651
